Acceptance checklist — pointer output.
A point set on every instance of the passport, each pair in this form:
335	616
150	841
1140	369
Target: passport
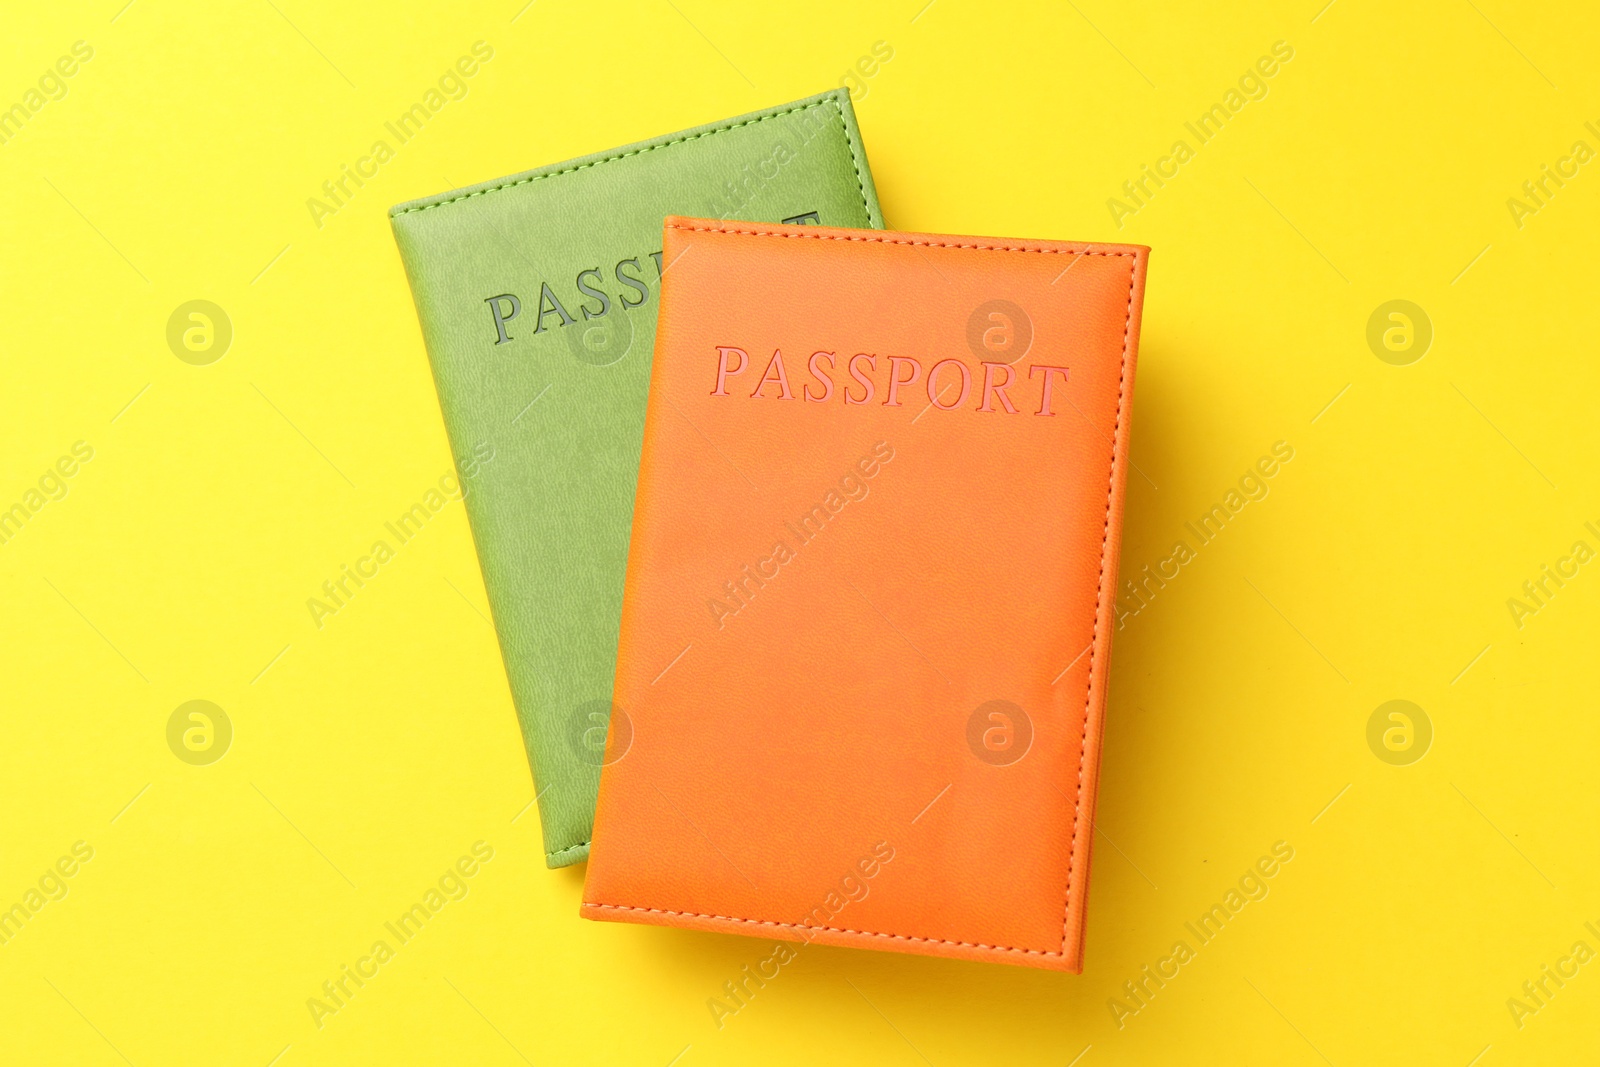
537	297
867	621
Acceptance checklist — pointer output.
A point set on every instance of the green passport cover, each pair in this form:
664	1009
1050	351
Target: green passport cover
537	299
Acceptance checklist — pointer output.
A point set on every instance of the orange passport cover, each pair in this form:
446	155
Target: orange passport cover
867	619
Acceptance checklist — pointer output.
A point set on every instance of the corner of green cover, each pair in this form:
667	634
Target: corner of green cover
566	857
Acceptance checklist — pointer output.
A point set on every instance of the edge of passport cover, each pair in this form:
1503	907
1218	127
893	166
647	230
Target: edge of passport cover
1106	530
839	97
565	842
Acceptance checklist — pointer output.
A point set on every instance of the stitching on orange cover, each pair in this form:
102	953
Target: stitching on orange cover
832	929
898	241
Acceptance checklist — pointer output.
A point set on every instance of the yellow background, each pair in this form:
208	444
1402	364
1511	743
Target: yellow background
370	754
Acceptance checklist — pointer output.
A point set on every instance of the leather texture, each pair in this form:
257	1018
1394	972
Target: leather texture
537	299
865	639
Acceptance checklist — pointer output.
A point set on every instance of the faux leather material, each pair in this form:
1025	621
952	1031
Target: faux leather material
864	641
558	397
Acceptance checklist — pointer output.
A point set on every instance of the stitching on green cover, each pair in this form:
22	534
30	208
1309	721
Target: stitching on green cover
564	851
855	164
680	140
